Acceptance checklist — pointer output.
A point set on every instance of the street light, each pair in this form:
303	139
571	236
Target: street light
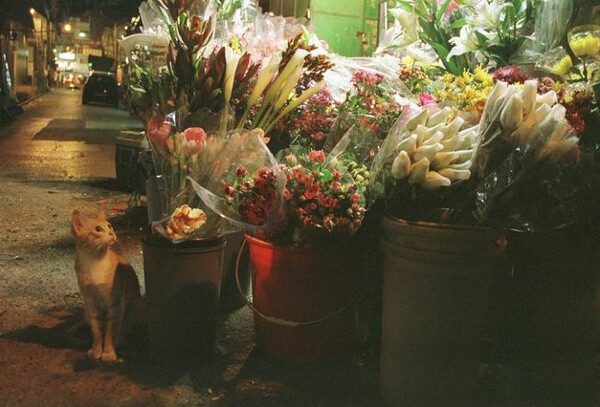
32	11
68	27
82	34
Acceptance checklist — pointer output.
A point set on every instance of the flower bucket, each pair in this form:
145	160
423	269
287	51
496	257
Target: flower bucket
230	299
555	318
304	301
183	282
435	292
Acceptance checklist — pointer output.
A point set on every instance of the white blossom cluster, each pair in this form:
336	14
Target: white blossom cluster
528	120
432	151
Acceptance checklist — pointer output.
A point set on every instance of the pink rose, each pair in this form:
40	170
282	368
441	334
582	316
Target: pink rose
195	139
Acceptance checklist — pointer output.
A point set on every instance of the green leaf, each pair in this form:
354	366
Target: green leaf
325	176
458	24
442	10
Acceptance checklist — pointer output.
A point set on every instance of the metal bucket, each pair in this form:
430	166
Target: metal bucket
304	301
436	282
183	282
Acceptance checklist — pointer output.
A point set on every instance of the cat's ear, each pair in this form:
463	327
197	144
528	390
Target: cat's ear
76	222
102	212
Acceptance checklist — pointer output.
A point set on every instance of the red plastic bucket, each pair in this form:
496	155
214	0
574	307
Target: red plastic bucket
304	301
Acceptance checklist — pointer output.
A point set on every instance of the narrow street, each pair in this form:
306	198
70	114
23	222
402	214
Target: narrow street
59	156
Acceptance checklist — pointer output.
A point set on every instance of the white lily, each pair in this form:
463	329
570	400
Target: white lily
434	180
487	15
535	117
418	171
436	138
401	165
462	166
466	42
232	59
439	117
264	78
455	175
425	133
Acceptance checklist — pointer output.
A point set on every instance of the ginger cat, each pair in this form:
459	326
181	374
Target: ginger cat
108	284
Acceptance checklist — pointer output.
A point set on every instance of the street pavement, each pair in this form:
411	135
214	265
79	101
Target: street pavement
58	156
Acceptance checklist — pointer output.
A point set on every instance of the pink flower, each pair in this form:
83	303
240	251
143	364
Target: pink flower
195	139
511	74
427	99
317	156
158	131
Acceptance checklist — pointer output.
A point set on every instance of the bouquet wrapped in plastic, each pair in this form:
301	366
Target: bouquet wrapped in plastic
424	156
181	149
524	140
298	200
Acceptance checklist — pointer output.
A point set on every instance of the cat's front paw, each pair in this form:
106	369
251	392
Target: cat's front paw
94	353
109	357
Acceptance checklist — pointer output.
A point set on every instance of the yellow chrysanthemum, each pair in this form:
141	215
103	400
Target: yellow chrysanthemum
562	67
588	45
482	76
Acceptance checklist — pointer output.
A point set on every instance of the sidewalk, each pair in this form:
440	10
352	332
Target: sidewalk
40	301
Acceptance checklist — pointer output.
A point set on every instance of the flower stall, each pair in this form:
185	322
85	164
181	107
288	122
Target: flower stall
468	143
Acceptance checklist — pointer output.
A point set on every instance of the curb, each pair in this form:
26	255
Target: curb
31	99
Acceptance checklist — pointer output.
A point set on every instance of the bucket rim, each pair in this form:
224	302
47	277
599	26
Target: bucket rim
439	226
252	240
202	245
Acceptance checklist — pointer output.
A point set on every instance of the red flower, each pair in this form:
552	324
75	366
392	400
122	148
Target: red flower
511	74
317	156
427	99
158	131
241	172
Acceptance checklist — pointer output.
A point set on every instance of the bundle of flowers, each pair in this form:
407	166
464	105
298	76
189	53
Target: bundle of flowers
424	155
524	141
466	93
198	92
302	197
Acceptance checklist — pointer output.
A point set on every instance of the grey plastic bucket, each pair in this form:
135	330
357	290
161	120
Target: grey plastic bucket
436	281
182	295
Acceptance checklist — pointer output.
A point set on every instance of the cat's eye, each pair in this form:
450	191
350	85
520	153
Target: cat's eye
98	229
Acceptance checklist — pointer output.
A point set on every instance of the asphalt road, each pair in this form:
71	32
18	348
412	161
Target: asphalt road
58	139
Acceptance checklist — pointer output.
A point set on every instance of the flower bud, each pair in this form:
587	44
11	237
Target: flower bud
512	114
548	98
443	160
401	165
418	119
427	151
433	180
529	94
418	171
455	175
409	144
439	117
451	129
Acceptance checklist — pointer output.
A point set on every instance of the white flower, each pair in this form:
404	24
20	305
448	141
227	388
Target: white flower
417	120
455	175
418	171
409	144
401	165
466	42
264	78
433	180
232	59
439	117
529	94
487	16
427	151
512	114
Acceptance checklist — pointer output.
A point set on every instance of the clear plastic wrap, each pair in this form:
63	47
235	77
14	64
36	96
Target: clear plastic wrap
523	141
299	197
184	145
243	154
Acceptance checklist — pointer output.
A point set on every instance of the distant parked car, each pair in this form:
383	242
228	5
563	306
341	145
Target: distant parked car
101	87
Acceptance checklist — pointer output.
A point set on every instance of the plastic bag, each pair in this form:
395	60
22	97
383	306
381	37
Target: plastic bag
244	154
183	145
